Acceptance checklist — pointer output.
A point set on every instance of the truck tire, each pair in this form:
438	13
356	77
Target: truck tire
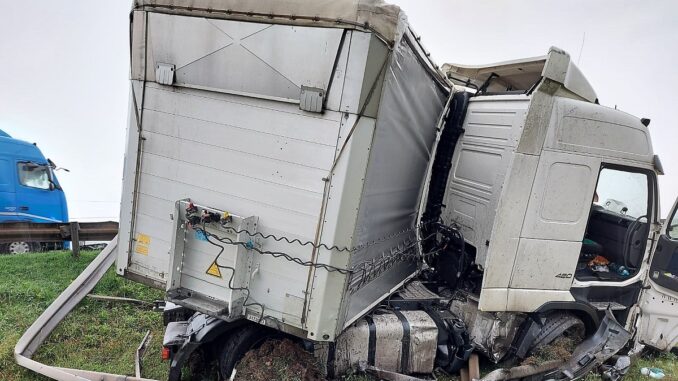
556	325
174	374
19	248
237	344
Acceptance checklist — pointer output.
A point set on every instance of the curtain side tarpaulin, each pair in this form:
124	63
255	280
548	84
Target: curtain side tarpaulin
411	105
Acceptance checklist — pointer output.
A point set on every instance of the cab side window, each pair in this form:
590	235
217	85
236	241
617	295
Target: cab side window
616	235
664	266
623	193
672	229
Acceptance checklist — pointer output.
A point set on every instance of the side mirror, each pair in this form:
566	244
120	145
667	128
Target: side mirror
53	186
54	166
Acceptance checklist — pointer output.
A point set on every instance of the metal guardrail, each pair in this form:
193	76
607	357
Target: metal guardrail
58	232
36	334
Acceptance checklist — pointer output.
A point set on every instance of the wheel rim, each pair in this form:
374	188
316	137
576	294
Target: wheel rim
19	248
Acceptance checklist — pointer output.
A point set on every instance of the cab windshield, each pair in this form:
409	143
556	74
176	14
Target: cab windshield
34	175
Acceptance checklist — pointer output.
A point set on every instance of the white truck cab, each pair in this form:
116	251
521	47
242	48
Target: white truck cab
558	202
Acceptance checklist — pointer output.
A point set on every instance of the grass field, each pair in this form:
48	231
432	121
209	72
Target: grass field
97	335
103	336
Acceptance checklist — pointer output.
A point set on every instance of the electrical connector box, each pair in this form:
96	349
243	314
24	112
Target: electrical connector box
199	280
329	194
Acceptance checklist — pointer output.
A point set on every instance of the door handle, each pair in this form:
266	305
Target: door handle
24	208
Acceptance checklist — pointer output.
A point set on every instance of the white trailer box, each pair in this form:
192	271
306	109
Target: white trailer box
307	127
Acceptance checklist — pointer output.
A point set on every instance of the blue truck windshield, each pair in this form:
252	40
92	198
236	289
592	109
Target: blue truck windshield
34	175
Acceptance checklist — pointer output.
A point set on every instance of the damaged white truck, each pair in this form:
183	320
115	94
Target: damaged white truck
304	170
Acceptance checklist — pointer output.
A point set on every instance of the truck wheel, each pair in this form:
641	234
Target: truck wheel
557	325
239	343
19	248
174	374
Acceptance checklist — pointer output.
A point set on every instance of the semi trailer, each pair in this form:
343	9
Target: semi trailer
29	192
305	170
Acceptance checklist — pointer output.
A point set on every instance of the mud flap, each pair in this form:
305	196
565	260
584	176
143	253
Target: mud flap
188	336
594	351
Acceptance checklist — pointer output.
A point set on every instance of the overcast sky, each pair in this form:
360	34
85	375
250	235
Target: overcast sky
64	70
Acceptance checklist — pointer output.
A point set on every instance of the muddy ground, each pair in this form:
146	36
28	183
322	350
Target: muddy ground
285	360
281	360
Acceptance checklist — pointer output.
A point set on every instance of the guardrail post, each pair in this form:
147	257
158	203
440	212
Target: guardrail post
75	239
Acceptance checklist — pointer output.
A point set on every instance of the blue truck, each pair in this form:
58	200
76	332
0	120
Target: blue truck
29	192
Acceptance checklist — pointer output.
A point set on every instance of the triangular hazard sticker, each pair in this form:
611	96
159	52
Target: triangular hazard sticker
214	270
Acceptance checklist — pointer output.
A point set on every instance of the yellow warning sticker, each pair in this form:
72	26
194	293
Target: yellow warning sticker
143	239
214	270
141	249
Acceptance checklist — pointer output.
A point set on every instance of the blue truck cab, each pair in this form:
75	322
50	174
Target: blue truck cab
29	190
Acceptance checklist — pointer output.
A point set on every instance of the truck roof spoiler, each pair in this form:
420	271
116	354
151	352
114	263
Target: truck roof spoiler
523	75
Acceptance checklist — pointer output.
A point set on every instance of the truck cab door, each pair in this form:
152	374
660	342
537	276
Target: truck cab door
658	322
7	192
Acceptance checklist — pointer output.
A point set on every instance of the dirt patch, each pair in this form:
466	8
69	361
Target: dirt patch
284	360
281	360
561	348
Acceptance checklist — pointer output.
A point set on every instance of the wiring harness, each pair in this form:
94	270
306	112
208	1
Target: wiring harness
359	274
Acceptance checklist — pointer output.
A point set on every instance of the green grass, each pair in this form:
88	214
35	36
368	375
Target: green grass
668	362
97	335
103	336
